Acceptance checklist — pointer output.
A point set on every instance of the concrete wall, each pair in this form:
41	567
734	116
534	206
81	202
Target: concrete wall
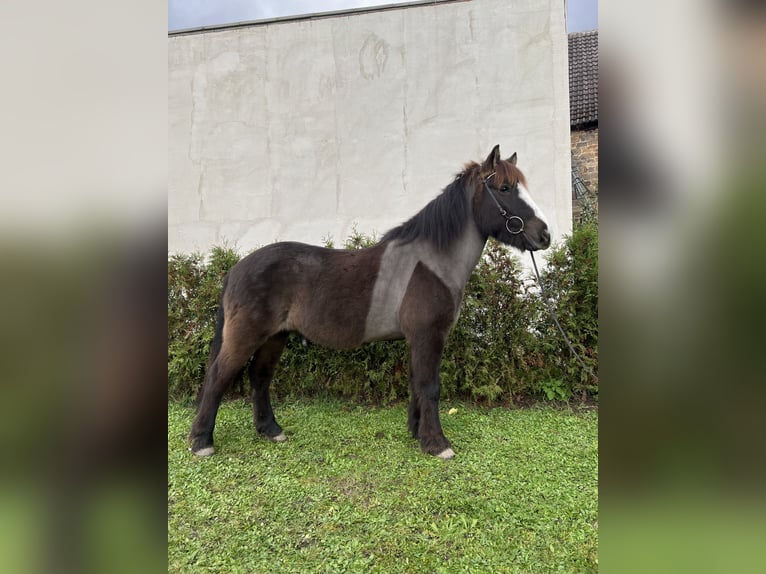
298	130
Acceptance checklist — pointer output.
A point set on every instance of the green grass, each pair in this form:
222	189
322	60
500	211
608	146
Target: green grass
350	491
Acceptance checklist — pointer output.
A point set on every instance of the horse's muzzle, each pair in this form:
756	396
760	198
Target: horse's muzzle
542	241
545	236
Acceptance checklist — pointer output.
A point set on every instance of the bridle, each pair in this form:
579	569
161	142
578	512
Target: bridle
503	212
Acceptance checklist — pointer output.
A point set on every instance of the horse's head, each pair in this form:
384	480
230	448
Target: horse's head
503	207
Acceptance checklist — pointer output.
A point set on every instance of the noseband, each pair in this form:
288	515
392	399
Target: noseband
503	212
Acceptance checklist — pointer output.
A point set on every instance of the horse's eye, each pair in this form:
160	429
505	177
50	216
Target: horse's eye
505	188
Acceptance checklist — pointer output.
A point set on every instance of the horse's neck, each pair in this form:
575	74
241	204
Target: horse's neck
455	265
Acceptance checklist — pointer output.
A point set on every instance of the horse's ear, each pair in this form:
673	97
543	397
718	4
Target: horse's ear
492	159
512	159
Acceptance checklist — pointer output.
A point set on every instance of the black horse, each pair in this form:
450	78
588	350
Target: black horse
409	285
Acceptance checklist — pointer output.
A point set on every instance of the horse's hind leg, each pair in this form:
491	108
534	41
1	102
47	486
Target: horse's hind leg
218	378
261	372
236	349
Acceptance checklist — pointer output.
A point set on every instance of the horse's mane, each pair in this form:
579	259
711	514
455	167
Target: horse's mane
441	221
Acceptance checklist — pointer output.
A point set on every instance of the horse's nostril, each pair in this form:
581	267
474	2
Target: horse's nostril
546	236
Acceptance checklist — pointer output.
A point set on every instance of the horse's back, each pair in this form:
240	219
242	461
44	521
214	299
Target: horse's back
265	273
322	293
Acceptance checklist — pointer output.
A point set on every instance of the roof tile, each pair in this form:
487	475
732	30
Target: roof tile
583	78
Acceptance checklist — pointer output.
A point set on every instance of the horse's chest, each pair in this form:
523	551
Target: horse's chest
396	270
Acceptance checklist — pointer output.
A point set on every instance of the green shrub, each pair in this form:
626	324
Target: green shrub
571	282
491	353
503	348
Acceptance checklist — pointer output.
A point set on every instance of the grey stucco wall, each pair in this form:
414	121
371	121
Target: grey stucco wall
301	129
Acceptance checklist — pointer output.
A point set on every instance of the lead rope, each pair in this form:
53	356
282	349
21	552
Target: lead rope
548	306
556	319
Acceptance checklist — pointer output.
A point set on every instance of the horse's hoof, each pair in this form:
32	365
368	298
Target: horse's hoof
207	451
446	454
279	438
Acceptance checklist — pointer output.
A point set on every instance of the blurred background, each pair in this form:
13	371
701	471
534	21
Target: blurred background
83	293
681	313
82	287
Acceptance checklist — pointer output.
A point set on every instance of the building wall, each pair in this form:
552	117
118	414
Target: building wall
302	129
585	156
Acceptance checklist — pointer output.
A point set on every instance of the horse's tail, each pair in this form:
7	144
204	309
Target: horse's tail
215	344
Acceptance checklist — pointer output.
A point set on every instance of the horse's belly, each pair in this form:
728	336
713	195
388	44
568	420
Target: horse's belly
383	329
328	326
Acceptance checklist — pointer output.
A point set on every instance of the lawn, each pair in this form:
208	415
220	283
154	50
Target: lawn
350	491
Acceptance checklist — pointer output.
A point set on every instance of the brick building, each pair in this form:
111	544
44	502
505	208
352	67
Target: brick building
583	108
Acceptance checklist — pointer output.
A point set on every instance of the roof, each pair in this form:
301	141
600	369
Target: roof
583	79
286	16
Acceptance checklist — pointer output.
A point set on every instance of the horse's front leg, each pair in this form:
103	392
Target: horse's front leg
426	352
413	413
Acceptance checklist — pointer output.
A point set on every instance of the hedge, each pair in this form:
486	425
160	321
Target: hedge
504	348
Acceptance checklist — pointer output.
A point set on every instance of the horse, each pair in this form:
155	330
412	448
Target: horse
409	286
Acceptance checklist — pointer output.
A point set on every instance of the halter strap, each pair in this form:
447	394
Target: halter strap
503	212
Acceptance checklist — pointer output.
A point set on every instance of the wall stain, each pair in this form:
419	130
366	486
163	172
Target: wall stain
373	57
